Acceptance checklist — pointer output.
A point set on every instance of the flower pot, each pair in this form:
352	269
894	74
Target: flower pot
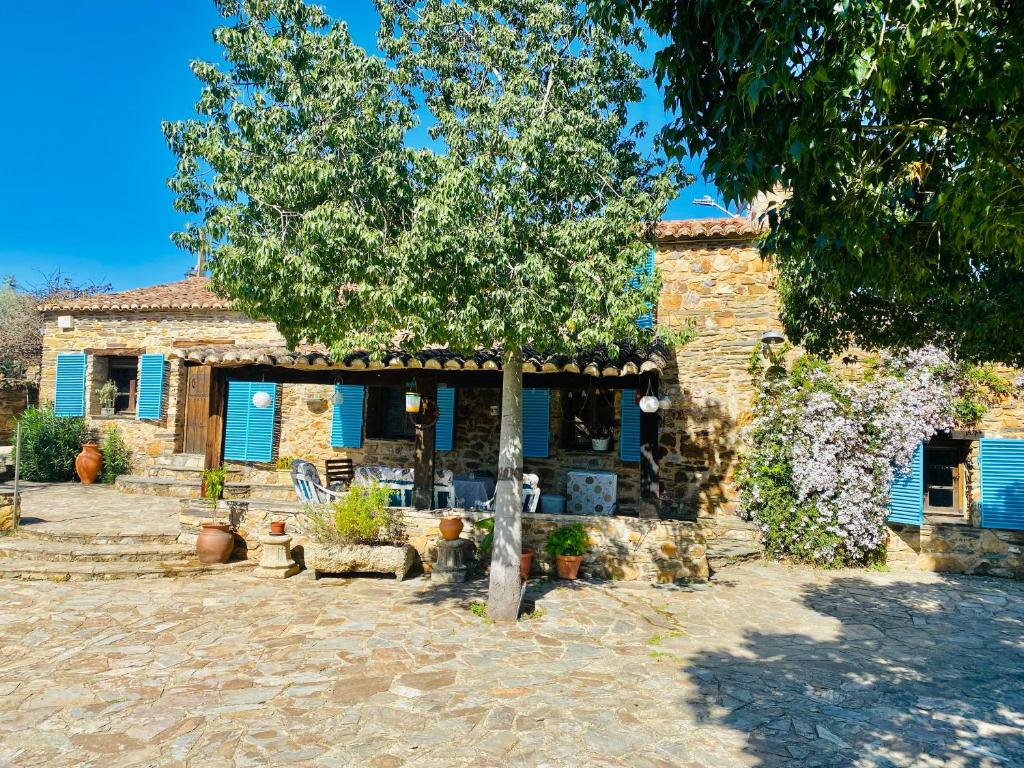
525	563
215	543
450	527
277	527
107	410
600	444
568	566
88	463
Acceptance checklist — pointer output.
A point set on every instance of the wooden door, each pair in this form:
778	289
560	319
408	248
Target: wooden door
197	409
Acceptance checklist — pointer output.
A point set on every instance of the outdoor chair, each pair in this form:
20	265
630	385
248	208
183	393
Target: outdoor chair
308	487
339	472
531	495
444	489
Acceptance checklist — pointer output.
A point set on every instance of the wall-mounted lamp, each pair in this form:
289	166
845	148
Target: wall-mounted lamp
769	338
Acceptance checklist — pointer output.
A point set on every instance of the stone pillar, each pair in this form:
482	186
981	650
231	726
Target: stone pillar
276	559
450	566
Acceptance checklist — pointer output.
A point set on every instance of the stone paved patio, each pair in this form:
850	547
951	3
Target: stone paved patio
766	666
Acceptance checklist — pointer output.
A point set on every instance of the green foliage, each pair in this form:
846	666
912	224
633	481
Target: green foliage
117	457
520	226
49	445
487	526
107	393
361	516
479	608
569	540
898	127
213	482
285	462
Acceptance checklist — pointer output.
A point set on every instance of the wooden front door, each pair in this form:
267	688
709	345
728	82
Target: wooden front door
197	409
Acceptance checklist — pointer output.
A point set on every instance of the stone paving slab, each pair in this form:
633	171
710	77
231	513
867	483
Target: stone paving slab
765	666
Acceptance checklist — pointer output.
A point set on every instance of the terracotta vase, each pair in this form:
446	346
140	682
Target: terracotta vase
88	462
450	527
568	566
525	563
277	527
215	543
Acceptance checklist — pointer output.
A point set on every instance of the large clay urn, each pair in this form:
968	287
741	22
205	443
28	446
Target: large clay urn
88	463
215	543
568	566
451	527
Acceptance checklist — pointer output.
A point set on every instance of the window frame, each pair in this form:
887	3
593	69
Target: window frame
376	424
597	409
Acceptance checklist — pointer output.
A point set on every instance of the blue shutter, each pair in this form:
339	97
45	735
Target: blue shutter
1002	483
906	494
645	273
248	430
536	423
151	387
69	395
444	434
347	418
629	426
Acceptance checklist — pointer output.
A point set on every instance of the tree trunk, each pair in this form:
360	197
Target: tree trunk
505	588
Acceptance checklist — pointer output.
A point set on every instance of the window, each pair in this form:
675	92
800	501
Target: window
385	414
586	414
123	371
943	471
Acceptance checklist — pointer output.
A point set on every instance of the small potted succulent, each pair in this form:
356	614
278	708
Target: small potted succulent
568	544
600	437
107	394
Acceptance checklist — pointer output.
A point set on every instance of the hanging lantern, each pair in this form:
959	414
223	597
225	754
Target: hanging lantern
337	398
649	404
261	400
665	403
412	402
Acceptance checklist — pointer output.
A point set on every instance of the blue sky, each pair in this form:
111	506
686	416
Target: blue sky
86	87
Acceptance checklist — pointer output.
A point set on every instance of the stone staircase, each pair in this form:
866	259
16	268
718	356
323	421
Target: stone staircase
730	540
180	476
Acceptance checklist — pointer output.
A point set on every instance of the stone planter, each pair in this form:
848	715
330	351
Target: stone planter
359	558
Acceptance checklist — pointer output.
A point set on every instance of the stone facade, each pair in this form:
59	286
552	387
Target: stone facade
620	547
10	510
13	400
957	549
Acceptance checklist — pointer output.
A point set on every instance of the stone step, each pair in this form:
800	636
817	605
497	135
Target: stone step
11	568
121	538
182	474
64	551
181	461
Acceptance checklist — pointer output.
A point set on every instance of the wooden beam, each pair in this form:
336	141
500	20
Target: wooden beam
115	351
650	484
215	425
185	343
423	463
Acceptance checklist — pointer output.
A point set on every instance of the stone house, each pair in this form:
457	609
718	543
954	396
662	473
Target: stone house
187	367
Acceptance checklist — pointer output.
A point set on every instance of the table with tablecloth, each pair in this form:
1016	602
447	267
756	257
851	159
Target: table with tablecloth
591	492
474	489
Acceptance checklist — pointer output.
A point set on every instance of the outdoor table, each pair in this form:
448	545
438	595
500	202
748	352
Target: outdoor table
591	492
473	489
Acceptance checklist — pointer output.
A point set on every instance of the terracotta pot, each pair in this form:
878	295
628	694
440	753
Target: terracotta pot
450	527
525	563
568	566
215	543
88	462
277	527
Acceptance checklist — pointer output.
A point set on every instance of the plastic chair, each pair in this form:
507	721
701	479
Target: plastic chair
308	487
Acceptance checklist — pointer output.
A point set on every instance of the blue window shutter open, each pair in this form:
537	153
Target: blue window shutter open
347	417
69	394
248	430
444	436
629	426
906	495
644	274
536	423
151	387
1002	483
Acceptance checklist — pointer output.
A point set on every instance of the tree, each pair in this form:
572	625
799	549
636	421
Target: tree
897	126
521	227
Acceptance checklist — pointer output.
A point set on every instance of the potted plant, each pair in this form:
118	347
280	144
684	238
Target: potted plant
600	437
107	394
568	544
216	542
358	533
487	526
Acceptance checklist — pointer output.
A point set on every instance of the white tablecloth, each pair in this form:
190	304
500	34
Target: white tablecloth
590	492
473	490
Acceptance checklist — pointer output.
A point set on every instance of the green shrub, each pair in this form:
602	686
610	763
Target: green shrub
568	540
49	445
361	516
117	458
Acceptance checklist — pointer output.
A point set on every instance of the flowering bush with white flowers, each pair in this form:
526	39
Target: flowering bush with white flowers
823	451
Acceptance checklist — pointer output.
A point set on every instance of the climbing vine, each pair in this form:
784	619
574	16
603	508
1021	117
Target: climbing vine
823	450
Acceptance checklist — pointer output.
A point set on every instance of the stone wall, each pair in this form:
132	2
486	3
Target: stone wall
957	549
10	510
620	547
13	399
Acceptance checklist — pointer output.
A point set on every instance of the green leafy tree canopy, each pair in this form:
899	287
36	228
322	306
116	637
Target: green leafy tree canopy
896	128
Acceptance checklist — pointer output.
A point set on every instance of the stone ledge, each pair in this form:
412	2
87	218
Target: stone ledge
949	548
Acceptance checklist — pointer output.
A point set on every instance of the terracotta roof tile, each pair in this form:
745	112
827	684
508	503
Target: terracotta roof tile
699	229
191	293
